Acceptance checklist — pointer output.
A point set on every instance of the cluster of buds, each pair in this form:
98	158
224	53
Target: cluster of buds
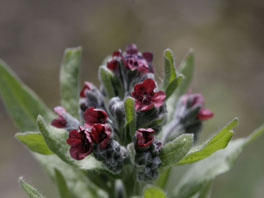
101	129
188	116
147	157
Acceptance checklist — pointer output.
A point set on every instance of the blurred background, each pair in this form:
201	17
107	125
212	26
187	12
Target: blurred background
227	37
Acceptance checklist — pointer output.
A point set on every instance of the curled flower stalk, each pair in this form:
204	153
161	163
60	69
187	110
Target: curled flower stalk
122	138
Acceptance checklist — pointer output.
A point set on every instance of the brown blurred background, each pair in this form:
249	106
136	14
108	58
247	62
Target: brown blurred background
227	36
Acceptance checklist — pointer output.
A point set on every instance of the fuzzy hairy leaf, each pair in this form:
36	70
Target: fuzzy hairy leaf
169	69
69	80
171	80
22	104
173	85
186	69
34	141
77	181
175	150
130	115
56	141
204	171
106	78
219	141
153	192
31	191
62	186
163	177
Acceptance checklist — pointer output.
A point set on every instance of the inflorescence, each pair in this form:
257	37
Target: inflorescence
101	129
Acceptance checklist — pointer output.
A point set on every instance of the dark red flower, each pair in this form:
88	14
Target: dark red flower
93	116
87	86
144	137
198	99
148	56
81	143
116	58
132	59
131	49
145	96
59	122
101	134
135	62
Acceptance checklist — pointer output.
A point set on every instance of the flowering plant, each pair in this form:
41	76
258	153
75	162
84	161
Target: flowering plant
124	138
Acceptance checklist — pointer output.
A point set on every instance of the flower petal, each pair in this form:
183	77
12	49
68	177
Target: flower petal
87	86
131	49
149	85
205	114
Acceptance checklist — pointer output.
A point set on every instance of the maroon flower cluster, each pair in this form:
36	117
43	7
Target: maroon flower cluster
198	99
145	96
95	131
132	60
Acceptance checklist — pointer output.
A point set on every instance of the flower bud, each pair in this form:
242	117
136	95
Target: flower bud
90	96
114	156
64	120
116	108
147	157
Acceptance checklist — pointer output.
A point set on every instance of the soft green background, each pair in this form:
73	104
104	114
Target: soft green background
227	36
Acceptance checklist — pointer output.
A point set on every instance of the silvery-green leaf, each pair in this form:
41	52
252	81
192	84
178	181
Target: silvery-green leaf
204	171
153	192
22	104
106	77
130	115
62	186
186	71
219	141
31	191
175	150
69	80
169	69
77	181
34	141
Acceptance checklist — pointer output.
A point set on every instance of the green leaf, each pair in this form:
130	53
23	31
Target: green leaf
56	141
22	104
155	122
171	80
169	69
130	115
62	186
219	141
206	190
175	150
204	171
106	77
163	177
69	80
153	192
30	190
186	69
77	181
34	141
173	85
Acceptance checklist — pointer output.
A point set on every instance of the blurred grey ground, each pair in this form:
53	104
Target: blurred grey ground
227	36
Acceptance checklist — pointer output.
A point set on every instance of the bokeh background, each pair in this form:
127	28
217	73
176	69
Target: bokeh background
227	37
